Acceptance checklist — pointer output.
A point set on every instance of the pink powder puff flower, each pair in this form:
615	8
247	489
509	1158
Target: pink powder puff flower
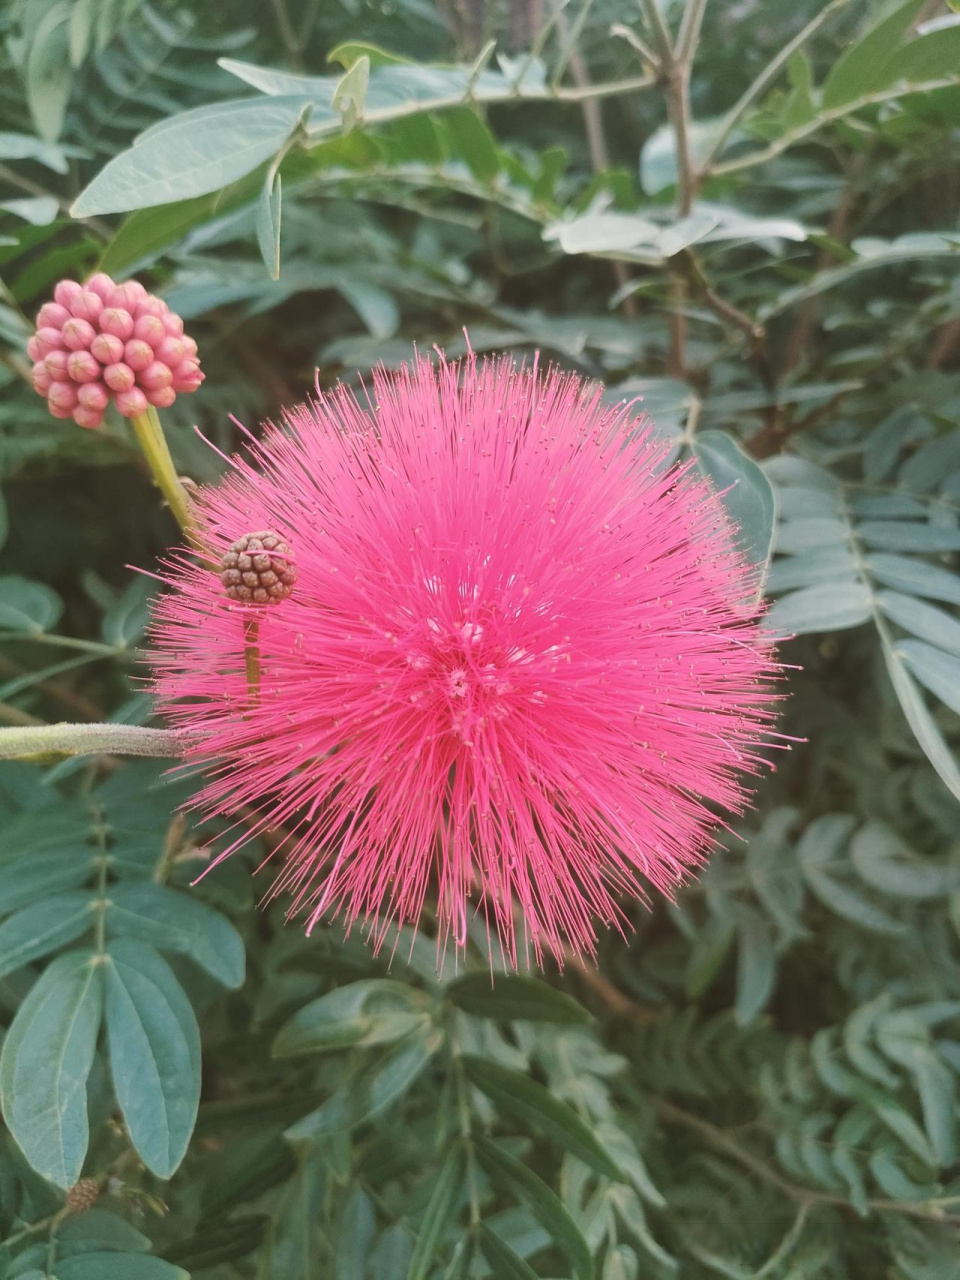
521	665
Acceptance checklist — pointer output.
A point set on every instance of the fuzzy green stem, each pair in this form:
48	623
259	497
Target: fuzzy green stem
154	445
54	740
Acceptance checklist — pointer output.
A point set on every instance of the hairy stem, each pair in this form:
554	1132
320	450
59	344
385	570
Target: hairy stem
67	739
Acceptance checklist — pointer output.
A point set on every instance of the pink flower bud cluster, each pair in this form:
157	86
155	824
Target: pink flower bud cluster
102	341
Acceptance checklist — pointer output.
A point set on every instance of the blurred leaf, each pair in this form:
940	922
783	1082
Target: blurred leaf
268	224
504	1262
747	493
359	1014
515	996
438	1214
525	1100
48	71
756	966
863	67
27	606
116	1266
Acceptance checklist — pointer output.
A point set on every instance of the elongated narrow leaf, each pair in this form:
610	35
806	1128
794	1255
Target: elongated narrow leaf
829	606
507	1172
154	1046
515	996
914	576
438	1214
517	1095
268	224
921	721
937	671
756	966
174	921
381	1083
37	930
909	535
502	1259
46	1059
924	620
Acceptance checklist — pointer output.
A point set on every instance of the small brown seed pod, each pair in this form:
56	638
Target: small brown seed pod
83	1195
258	569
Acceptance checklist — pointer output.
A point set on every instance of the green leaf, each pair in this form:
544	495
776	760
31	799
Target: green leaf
350	51
154	1050
937	671
828	606
356	1228
747	493
47	71
46	1059
914	576
179	922
192	154
515	997
43	927
472	142
117	1266
909	535
124	622
350	94
756	966
360	1014
268	224
505	1264
381	1083
923	620
522	1098
101	1231
32	875
706	957
920	720
510	1174
862	68
438	1214
884	863
27	606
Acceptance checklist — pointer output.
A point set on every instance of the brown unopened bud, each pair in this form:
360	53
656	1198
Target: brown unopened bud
83	1195
258	569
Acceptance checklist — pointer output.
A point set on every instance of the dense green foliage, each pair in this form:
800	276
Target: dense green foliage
761	1081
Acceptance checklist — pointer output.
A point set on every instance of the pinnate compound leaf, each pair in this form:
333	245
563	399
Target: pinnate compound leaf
920	720
507	1172
524	1099
828	606
174	921
515	997
154	1050
46	1059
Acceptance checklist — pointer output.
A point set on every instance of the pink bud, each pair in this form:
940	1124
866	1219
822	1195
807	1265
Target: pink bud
138	354
55	363
93	395
87	305
66	291
155	376
107	348
102	285
171	351
173	324
187	376
34	350
57	411
77	334
151	305
87	417
83	367
116	321
131	402
62	394
41	378
49	340
149	329
162	397
126	296
52	316
119	377
190	347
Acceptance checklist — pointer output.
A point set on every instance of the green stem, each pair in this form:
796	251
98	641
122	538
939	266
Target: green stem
88	739
154	445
